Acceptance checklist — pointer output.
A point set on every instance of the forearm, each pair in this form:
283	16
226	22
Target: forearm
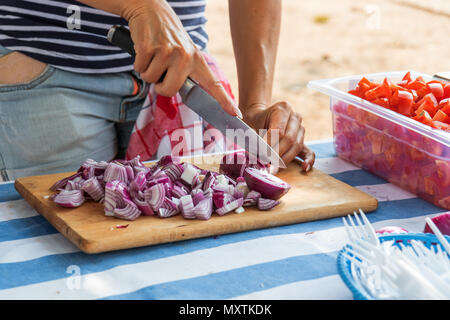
255	29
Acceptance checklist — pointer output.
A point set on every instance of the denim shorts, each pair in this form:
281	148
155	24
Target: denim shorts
59	119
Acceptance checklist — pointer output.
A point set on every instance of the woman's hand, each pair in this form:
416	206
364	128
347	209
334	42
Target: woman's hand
290	132
161	44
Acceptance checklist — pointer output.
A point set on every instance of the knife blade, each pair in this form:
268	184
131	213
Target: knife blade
197	99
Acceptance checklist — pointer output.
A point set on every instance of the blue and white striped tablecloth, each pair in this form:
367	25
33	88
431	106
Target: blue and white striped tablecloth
289	262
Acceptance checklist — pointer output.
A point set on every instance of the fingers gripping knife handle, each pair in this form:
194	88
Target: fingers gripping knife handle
121	37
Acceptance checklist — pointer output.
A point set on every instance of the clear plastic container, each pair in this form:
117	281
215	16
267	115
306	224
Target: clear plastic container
401	150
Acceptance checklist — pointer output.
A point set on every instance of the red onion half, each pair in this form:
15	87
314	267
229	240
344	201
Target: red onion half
268	185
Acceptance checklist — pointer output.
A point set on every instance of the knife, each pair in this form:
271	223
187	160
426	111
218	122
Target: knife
443	76
209	109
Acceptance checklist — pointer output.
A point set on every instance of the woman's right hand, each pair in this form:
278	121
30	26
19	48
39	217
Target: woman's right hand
161	44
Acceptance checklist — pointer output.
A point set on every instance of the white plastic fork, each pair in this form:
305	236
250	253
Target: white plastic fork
360	231
400	275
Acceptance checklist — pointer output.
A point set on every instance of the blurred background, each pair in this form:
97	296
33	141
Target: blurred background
329	38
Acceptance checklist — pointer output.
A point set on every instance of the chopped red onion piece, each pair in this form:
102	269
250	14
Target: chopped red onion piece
241	190
204	209
160	178
190	175
130	173
222	180
115	171
182	185
110	197
166	213
75	184
122	194
196	198
63	182
87	172
252	198
129	212
223	188
179	191
174	171
239	210
138	184
93	188
169	204
234	164
141	169
267	204
144	207
230	207
197	183
155	196
187	207
136	162
168	159
221	199
208	193
208	181
176	201
70	198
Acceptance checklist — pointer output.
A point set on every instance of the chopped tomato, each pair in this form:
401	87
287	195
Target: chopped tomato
384	102
407	77
361	89
415	95
364	80
444	106
355	93
427	106
405	102
416	85
436	89
420	78
429	97
440	125
441	116
424	117
447	91
380	91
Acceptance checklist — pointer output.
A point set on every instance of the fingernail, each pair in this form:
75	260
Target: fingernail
238	111
308	168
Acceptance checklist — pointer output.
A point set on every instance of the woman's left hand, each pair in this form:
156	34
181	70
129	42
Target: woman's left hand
288	123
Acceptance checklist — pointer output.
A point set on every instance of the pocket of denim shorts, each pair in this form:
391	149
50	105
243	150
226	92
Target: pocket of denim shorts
20	72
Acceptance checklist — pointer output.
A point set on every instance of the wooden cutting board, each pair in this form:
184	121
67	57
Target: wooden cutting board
313	196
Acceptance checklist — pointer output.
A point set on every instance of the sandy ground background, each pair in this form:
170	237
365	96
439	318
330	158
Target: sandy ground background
330	38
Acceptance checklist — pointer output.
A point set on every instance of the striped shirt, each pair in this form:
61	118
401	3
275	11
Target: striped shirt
72	36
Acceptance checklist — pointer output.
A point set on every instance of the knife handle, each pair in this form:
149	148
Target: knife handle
443	76
121	37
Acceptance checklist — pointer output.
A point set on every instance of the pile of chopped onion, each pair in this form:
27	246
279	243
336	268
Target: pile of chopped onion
129	189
